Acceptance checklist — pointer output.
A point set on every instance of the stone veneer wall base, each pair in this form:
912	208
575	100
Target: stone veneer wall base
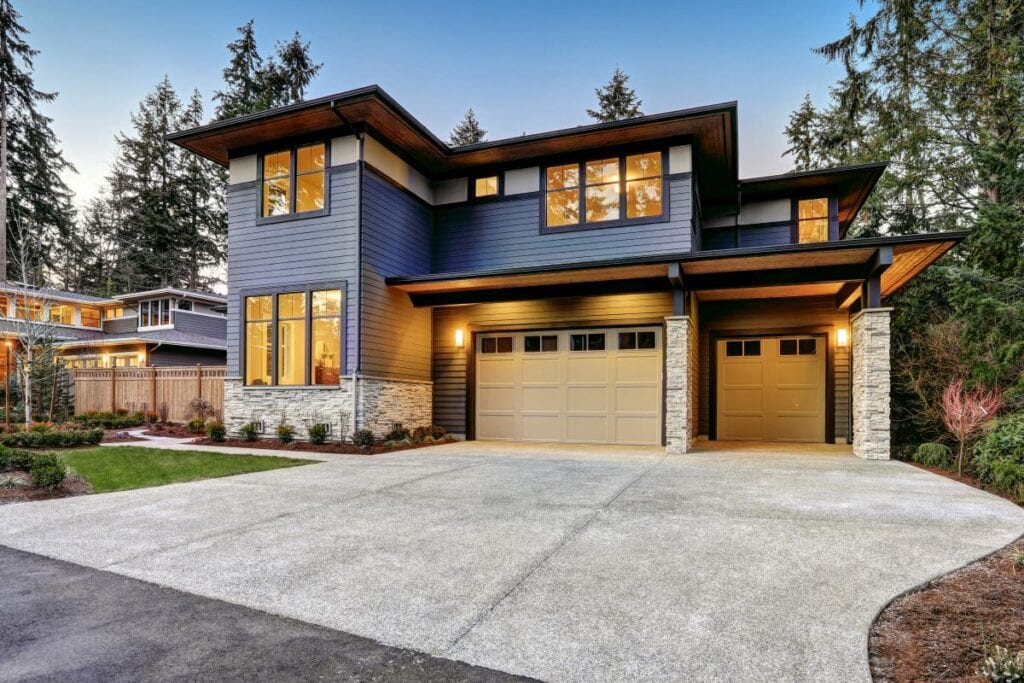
679	338
871	382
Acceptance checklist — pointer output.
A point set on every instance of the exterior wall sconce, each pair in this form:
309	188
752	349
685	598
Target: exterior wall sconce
106	360
842	338
142	359
460	339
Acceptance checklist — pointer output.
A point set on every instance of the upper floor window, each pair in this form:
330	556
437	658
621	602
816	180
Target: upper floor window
486	187
812	220
116	312
184	305
155	313
612	189
62	314
30	309
91	316
293	180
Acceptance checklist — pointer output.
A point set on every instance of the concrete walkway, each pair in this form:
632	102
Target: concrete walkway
561	563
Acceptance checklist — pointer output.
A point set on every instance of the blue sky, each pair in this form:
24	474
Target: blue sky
523	66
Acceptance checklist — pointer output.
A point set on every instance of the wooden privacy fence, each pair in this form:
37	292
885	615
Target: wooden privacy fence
149	389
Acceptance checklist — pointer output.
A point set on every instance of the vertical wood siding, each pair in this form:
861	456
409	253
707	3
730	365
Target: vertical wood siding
300	251
450	364
506	234
396	241
776	314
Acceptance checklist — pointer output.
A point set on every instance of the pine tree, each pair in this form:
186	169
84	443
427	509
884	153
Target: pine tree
802	134
616	100
254	83
31	161
468	131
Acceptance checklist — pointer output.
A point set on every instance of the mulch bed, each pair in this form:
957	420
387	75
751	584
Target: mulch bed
940	632
73	486
302	446
171	429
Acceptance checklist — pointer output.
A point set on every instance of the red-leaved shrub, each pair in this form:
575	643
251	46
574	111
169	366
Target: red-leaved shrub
965	412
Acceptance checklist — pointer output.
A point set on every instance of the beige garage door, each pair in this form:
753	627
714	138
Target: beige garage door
771	389
573	386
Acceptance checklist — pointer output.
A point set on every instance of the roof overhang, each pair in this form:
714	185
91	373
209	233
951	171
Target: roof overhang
711	130
833	268
135	341
172	292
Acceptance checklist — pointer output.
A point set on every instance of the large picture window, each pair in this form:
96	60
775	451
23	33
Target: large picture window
293	181
293	338
612	189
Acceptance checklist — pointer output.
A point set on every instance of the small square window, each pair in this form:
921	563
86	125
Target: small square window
595	342
506	344
531	344
577	342
734	348
549	343
627	340
488	345
752	348
486	187
808	347
787	347
645	340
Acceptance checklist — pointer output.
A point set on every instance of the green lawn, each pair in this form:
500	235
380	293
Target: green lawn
131	467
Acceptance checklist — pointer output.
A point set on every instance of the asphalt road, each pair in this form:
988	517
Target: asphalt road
61	621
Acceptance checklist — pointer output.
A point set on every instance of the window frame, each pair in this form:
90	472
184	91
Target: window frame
293	175
480	199
148	305
306	289
581	190
833	217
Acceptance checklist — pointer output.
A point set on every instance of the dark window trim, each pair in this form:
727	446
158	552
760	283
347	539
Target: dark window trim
581	162
272	292
293	176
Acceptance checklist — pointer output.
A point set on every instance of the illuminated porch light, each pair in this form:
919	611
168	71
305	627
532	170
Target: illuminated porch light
842	338
460	340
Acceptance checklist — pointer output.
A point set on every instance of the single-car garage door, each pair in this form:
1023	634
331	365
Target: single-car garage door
574	386
771	389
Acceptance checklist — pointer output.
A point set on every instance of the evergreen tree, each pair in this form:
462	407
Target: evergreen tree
31	161
468	131
254	83
616	100
802	133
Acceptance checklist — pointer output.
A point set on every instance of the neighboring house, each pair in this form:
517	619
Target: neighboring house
609	283
162	327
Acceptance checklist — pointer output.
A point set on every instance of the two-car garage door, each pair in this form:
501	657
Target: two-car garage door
574	386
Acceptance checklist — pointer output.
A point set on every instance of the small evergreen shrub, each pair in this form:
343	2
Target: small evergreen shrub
216	430
21	459
47	470
107	420
196	425
152	418
397	433
421	435
999	455
934	455
249	431
438	432
363	438
56	438
317	433
5	459
285	433
1002	666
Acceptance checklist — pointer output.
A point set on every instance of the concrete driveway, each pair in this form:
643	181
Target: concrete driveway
555	562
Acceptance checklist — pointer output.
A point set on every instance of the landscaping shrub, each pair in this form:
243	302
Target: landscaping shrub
285	433
152	418
317	433
196	425
397	433
1002	666
21	459
363	438
216	430
40	427
934	455
5	459
107	420
249	431
57	438
438	432
1003	442
48	470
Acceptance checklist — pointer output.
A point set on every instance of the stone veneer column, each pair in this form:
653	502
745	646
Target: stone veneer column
678	415
871	379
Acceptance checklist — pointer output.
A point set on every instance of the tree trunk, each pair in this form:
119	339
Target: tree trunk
3	174
27	387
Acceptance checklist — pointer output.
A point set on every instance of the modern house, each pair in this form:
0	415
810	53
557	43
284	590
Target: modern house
157	328
609	283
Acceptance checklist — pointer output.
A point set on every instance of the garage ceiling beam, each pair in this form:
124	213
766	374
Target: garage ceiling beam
856	272
847	294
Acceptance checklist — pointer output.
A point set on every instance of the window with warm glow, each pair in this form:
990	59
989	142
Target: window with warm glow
258	320
303	336
29	309
812	220
112	313
4	306
612	189
326	331
91	316
62	314
486	187
293	180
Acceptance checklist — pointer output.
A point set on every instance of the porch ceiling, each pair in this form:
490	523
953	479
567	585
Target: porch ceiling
835	268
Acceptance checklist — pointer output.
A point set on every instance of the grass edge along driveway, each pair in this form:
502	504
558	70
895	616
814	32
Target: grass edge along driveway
133	467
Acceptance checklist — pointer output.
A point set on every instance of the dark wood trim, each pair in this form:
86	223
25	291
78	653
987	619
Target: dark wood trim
774	277
823	331
481	296
845	292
